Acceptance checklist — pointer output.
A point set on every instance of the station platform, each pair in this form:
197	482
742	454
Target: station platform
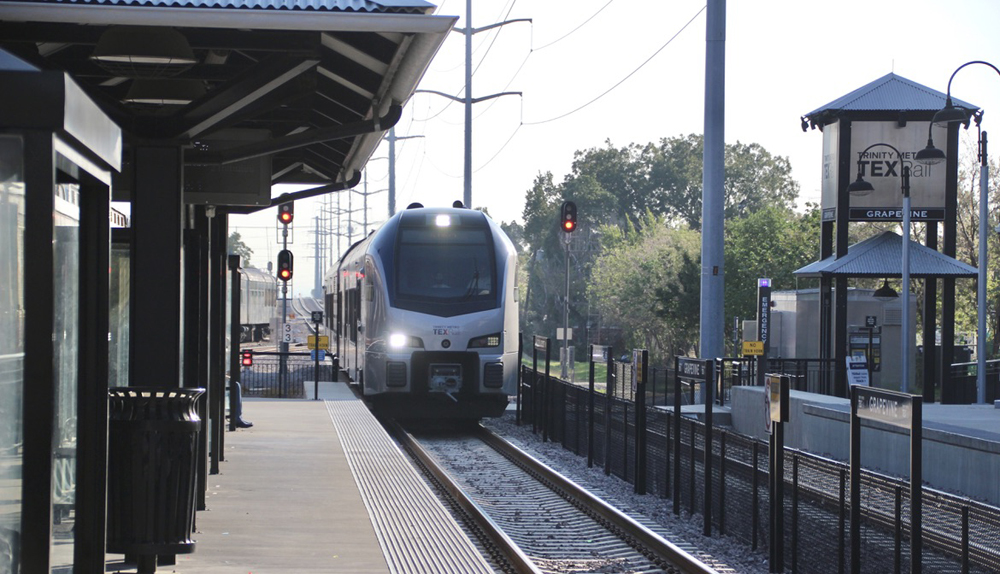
317	486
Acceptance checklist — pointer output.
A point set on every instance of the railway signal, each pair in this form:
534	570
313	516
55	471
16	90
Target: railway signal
568	217
286	212
246	358
284	265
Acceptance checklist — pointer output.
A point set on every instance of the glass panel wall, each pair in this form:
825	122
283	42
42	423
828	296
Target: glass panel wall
118	320
11	347
65	353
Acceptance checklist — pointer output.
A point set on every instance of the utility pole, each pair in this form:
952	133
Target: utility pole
712	314
468	100
392	167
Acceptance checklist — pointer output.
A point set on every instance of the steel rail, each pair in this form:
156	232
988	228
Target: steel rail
517	558
661	547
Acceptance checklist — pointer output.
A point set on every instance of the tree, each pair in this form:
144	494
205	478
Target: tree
237	247
772	242
646	283
666	178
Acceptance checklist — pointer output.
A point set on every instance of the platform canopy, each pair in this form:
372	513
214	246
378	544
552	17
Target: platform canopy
882	256
325	79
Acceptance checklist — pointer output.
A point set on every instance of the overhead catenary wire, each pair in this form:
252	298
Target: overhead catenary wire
571	32
622	81
606	92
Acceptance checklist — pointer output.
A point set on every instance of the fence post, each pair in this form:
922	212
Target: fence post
795	513
608	402
520	378
709	408
624	433
755	480
534	384
668	448
546	394
694	456
590	412
640	420
677	437
722	483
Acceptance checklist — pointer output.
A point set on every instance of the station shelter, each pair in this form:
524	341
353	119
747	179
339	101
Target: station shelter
189	111
871	133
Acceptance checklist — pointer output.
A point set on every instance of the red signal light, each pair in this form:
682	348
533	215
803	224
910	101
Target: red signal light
284	265
568	216
246	358
286	213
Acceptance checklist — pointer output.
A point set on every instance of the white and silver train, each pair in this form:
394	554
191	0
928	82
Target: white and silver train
424	313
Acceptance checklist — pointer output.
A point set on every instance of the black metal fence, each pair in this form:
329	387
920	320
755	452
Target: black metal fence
963	381
960	535
283	375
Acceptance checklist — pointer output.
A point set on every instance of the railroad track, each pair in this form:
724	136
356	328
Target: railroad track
537	520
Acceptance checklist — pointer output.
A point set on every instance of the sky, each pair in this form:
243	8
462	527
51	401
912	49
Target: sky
632	71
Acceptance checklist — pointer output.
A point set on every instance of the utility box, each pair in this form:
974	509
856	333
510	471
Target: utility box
795	330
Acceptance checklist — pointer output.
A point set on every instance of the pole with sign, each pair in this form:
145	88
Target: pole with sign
778	406
763	325
900	410
317	317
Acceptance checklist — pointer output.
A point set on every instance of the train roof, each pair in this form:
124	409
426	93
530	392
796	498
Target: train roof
256	274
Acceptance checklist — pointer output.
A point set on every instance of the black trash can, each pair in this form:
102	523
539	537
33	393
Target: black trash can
152	445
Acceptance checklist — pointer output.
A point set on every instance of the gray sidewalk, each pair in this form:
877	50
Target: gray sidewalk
285	500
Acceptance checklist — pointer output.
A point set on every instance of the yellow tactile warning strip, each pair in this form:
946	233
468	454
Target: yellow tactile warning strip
416	532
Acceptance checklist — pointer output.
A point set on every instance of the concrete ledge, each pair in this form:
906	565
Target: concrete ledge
959	455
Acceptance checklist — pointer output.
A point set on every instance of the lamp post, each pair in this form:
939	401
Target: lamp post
862	187
953	114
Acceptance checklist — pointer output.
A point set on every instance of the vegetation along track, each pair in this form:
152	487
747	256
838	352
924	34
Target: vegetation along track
539	520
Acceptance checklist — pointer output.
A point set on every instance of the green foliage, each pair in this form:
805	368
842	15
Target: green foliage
644	284
772	242
635	266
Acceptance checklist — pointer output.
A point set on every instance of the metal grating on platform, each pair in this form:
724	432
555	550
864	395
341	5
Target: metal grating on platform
415	531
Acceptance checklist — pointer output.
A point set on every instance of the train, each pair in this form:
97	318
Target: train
258	304
424	313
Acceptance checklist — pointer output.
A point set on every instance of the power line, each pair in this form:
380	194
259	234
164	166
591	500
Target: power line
620	82
494	39
567	34
501	148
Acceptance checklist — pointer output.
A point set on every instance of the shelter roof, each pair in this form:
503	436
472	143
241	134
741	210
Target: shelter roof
882	256
324	79
890	93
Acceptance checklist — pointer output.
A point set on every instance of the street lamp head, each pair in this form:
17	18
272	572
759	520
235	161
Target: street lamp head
885	293
950	114
860	187
930	155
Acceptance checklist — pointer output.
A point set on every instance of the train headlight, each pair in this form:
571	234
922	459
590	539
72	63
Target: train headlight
485	341
442	220
400	341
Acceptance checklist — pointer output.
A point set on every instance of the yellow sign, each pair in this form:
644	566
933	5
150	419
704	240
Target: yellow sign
324	342
753	348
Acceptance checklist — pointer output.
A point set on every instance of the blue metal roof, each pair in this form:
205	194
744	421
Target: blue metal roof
377	6
882	256
890	93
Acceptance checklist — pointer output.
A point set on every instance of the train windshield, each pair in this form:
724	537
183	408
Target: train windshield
445	270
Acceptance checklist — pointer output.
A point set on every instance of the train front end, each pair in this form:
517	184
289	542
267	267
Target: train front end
442	324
